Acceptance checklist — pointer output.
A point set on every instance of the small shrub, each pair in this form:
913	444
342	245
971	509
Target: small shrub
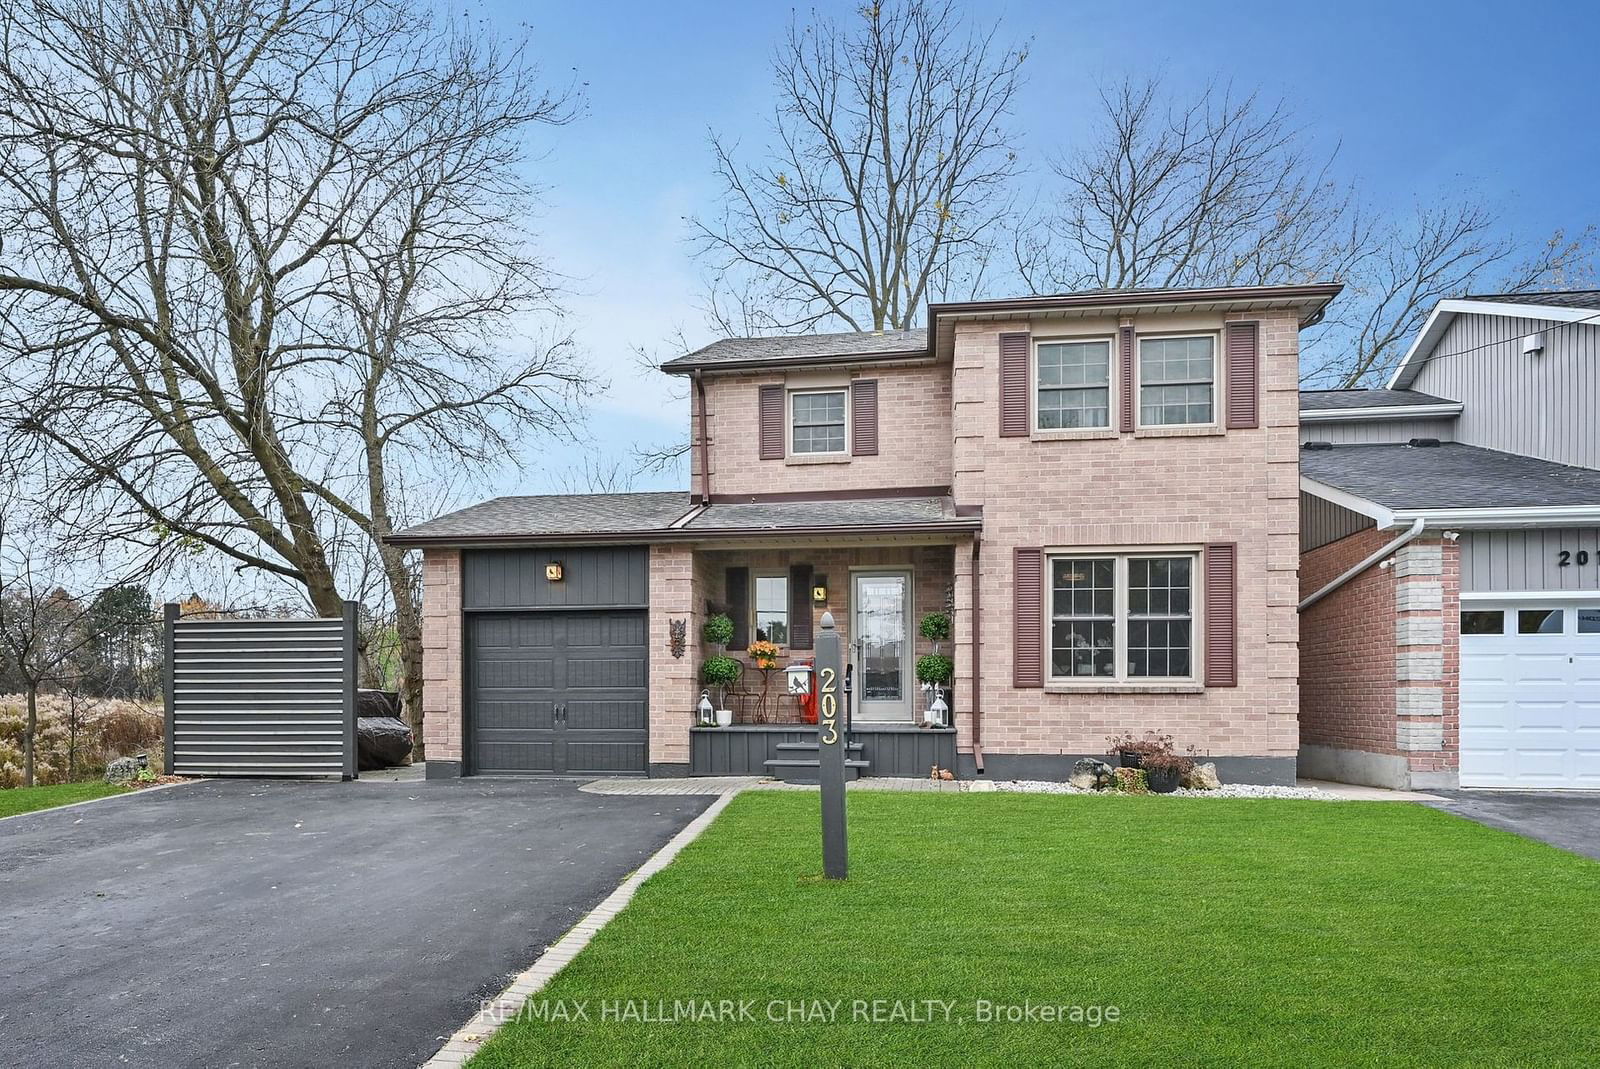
1151	743
1161	760
718	630
935	626
1130	781
935	668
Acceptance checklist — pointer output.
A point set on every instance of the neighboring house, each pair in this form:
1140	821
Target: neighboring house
1451	556
1101	488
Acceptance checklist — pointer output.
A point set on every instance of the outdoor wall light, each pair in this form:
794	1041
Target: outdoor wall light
553	572
819	590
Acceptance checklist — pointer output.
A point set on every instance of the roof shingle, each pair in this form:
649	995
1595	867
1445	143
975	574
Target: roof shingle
1336	400
555	514
1553	298
1449	476
802	349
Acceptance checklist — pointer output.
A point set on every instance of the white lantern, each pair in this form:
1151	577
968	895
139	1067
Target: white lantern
939	712
707	714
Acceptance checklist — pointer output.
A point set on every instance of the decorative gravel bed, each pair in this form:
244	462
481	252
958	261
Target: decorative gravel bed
1227	790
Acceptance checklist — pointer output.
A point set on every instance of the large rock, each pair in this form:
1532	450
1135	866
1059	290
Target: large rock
1089	774
1202	778
122	770
378	703
382	742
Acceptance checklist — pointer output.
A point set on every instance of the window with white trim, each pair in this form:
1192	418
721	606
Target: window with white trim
1122	617
817	422
1073	384
1177	381
771	602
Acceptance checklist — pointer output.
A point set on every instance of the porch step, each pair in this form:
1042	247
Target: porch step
798	770
809	749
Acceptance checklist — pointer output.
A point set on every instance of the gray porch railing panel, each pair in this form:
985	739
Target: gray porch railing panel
261	697
743	750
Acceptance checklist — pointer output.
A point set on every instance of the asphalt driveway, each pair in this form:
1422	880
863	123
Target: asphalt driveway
249	923
1570	820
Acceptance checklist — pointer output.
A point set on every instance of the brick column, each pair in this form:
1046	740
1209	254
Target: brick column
966	697
673	692
1427	622
442	625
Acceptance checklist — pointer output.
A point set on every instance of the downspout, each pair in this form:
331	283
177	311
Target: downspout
977	654
705	449
1411	532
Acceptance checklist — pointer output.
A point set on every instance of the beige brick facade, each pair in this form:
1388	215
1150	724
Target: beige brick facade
442	635
913	434
1124	491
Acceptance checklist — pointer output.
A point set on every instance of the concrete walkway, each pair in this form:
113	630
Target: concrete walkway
702	785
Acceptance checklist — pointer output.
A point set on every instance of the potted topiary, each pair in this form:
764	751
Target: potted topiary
721	671
718	631
1131	749
937	670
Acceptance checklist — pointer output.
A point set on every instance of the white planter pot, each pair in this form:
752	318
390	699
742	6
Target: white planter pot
724	718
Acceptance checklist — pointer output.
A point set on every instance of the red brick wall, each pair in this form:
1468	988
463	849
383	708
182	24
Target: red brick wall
1347	649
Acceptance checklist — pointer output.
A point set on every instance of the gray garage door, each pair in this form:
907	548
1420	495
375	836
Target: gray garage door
557	692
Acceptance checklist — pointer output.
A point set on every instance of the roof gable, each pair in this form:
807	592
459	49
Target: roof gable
1577	306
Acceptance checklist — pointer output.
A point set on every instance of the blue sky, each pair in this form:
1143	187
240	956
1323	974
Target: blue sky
1422	98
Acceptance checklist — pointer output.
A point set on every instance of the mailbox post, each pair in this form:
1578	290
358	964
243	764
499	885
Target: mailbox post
831	749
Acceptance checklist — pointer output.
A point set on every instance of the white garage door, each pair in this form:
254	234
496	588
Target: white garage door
1530	695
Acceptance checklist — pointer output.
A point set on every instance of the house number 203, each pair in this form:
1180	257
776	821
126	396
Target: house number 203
1568	557
830	708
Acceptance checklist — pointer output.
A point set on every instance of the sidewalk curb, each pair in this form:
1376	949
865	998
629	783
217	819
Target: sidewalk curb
494	1013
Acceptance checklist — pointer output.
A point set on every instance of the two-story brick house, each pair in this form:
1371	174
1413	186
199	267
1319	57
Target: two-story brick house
1101	489
1451	572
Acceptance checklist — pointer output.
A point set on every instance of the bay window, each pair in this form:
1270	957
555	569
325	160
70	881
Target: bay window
1122	617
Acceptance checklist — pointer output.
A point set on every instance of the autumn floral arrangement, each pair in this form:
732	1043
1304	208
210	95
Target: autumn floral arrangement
764	654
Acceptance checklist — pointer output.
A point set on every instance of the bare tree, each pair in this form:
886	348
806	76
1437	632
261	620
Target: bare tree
1229	190
1222	191
265	272
886	178
43	632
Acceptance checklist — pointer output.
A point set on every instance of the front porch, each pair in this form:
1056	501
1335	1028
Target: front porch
878	593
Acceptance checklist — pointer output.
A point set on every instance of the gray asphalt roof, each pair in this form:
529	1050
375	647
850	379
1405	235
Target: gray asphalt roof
1450	475
556	514
802	348
777	515
1555	298
653	514
1333	400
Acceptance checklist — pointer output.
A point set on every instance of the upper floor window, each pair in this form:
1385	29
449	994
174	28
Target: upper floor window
1074	384
772	608
817	422
1122	617
1177	381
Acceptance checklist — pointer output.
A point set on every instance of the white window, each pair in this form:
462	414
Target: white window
1074	384
817	422
1122	617
772	608
1177	381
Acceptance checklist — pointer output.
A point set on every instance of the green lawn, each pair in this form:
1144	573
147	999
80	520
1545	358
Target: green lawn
27	799
1224	932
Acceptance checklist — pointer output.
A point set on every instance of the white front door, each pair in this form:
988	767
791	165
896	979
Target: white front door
880	640
1530	694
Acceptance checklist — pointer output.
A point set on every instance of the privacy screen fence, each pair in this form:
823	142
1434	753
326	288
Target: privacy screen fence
261	697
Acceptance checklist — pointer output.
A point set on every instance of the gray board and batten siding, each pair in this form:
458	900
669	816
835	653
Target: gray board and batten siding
1378	431
261	697
1322	522
557	670
1551	560
1539	405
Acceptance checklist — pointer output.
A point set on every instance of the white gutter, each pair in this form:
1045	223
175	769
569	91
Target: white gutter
1412	532
1352	415
1530	516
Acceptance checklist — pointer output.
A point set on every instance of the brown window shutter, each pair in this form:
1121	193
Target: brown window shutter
1128	397
1014	384
771	421
1244	374
1027	618
863	419
1222	629
737	582
800	606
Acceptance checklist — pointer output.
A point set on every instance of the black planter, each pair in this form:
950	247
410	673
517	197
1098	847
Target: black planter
1130	758
1161	780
